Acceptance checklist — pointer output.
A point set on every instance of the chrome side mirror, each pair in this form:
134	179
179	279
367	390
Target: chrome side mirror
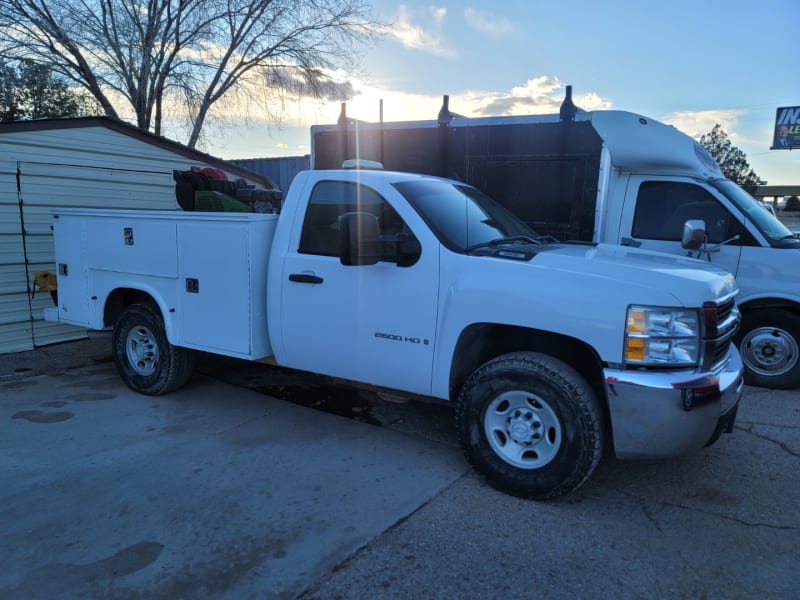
694	234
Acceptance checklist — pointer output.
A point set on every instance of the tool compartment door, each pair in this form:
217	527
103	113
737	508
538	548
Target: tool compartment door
73	282
222	287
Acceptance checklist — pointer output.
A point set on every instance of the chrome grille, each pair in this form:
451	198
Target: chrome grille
725	317
724	310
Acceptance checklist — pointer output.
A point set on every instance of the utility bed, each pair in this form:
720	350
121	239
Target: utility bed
210	269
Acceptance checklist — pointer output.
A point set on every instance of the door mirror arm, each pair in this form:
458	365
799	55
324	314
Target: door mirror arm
695	238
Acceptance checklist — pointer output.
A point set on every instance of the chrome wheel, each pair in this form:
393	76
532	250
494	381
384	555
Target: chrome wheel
522	429
141	349
769	351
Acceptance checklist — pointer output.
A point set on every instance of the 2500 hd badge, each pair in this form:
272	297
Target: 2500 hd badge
400	338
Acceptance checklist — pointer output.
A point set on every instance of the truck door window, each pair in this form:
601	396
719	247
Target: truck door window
331	199
662	208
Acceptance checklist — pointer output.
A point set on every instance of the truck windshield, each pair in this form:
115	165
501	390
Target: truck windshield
461	216
776	232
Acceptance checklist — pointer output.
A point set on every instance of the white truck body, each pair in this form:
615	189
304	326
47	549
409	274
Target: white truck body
609	177
160	253
420	320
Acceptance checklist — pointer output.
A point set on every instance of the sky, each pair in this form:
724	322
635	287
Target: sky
688	63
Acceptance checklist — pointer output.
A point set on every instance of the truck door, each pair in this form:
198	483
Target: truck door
656	209
372	323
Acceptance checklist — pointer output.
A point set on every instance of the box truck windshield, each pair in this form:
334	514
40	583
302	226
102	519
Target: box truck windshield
776	232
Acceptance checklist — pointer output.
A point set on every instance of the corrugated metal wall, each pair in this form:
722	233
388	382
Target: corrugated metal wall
82	167
45	186
281	169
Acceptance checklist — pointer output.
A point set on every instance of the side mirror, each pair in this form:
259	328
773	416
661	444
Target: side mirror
359	239
694	234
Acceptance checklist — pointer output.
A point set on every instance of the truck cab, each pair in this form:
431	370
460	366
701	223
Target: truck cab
650	196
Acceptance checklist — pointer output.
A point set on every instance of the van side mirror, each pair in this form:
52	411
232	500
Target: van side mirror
359	239
694	234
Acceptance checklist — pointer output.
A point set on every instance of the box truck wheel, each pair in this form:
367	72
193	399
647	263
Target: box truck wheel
147	362
769	342
531	425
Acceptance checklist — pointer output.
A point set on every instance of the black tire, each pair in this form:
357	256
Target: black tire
769	342
496	420
146	361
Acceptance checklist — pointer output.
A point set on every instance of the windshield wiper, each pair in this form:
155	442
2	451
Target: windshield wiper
547	239
505	240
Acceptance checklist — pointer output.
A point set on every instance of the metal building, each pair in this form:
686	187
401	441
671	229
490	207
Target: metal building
86	162
281	169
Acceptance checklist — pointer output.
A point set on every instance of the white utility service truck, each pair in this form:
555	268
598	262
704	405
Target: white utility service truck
613	177
427	286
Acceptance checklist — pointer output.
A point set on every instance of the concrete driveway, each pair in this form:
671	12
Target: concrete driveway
723	523
213	491
218	491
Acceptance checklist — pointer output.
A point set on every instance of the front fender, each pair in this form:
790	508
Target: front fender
485	290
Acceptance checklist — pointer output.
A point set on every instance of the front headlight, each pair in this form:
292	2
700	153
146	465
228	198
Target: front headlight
657	336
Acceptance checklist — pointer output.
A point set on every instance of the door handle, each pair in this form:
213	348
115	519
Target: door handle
301	278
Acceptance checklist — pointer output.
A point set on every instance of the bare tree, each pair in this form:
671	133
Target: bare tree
138	55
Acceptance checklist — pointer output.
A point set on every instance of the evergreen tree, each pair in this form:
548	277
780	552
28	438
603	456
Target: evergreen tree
30	91
10	109
730	159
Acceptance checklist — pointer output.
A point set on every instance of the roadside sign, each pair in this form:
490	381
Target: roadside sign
786	134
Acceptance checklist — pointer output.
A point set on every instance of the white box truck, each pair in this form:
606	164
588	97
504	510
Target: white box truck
610	177
427	286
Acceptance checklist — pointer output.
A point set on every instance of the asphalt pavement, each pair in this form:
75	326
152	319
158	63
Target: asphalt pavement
225	490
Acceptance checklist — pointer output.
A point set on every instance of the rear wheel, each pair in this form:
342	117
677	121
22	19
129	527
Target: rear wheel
531	425
146	360
769	342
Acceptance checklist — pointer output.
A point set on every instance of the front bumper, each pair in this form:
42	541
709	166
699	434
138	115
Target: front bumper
664	413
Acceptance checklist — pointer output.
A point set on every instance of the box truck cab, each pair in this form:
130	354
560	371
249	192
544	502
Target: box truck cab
649	201
612	177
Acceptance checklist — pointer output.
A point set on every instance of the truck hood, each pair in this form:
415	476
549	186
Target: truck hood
690	281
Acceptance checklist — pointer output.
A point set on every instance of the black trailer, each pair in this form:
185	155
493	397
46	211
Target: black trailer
545	169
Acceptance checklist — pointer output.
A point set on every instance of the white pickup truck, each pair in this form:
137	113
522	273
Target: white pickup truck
427	286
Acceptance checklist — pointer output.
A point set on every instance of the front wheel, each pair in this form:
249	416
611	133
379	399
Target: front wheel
146	361
769	342
531	425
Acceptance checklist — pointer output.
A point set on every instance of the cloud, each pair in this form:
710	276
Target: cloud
535	95
540	95
700	122
415	37
486	24
438	13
